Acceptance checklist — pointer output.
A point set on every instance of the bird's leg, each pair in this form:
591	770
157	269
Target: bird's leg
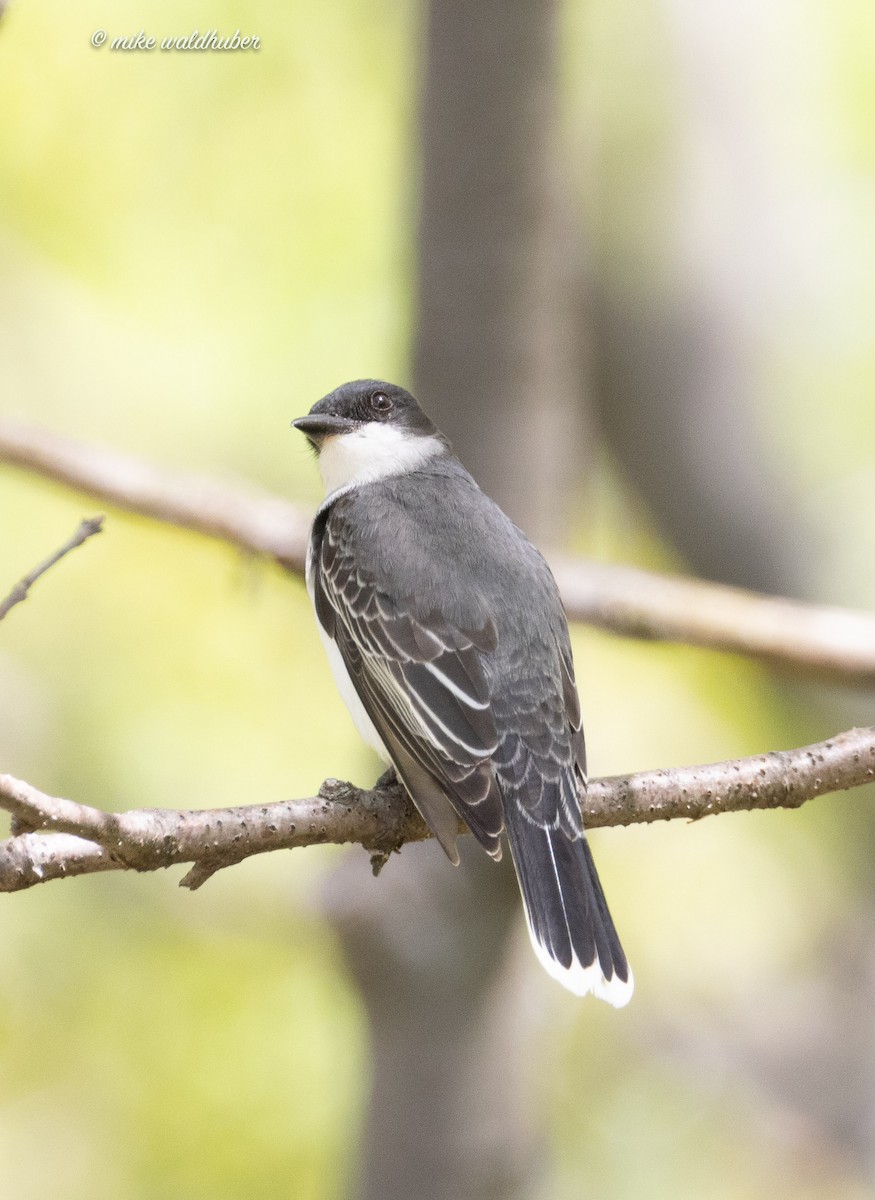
379	858
387	779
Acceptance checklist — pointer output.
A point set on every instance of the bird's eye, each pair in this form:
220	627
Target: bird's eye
381	403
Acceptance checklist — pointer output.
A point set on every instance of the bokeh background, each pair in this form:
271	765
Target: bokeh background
193	249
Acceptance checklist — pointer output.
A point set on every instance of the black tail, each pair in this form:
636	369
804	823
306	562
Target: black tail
569	923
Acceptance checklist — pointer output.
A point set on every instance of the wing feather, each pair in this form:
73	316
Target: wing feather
423	682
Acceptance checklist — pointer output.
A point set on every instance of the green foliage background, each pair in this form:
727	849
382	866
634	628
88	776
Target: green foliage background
193	248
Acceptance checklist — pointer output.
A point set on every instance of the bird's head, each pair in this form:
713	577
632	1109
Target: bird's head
367	430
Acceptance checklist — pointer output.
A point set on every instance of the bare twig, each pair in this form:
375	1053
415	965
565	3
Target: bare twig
627	601
86	529
60	838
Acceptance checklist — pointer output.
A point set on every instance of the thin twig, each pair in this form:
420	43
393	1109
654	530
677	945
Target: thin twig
812	638
86	529
62	838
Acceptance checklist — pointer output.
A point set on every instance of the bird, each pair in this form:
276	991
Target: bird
448	642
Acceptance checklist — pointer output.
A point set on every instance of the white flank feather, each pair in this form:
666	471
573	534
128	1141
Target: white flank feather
366	729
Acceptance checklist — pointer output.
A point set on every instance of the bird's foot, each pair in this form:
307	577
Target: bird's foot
387	779
379	858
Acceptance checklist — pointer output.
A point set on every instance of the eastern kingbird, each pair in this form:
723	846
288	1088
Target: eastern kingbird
448	641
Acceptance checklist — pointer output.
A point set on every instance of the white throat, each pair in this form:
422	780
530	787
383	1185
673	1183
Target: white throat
371	452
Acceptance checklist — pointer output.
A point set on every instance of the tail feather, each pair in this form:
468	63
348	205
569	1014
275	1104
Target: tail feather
566	912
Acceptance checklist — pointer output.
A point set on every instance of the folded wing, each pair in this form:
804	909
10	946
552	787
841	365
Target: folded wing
423	682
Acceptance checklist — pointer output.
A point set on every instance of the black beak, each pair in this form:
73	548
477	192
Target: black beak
322	425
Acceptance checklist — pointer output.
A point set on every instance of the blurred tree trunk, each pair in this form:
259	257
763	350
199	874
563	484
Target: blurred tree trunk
676	363
498	366
675	389
678	345
500	347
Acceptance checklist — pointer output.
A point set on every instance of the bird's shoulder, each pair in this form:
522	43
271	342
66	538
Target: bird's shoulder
373	553
433	533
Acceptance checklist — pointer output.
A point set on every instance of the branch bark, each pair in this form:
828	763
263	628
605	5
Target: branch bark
86	529
55	838
634	603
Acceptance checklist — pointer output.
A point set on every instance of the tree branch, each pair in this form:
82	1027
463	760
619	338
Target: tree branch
258	523
86	529
838	643
627	601
54	838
